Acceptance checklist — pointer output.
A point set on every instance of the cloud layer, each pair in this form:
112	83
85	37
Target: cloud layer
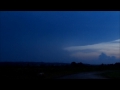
111	48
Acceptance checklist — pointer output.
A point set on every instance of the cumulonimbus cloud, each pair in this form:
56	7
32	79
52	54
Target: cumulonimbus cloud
111	48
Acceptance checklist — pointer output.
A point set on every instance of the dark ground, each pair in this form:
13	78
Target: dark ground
36	71
85	75
115	74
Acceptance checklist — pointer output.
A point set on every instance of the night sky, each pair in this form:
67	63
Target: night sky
91	37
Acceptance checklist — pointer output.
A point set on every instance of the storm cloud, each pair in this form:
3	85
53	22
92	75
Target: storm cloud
111	48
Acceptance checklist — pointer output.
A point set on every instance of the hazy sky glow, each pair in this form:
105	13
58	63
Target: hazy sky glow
111	48
60	36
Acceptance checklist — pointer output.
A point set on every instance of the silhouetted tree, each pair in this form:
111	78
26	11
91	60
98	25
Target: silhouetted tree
80	63
73	64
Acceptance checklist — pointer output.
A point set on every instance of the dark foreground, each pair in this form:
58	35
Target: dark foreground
111	74
51	71
85	75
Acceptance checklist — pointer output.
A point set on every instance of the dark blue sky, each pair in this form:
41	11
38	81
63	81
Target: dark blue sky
45	35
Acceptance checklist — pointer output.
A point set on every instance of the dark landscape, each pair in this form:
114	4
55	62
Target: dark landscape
37	70
59	45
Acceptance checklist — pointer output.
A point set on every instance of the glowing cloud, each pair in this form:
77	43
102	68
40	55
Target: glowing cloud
111	48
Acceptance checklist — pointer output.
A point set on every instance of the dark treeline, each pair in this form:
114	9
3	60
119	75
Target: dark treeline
49	70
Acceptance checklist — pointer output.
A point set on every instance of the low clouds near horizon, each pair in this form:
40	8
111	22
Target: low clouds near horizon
110	49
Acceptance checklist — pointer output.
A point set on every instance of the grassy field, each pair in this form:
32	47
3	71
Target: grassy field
111	74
